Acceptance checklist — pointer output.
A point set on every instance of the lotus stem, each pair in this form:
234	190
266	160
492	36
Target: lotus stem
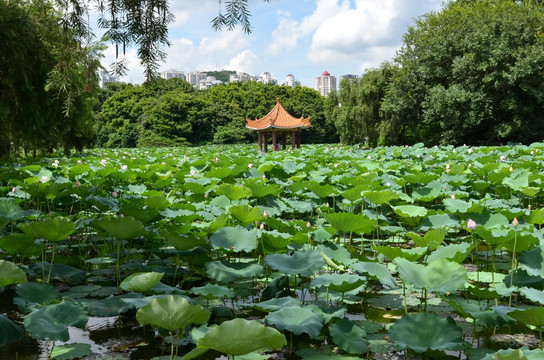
540	337
51	265
404	294
172	346
513	267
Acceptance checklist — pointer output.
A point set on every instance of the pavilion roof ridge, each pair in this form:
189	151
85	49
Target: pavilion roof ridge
278	118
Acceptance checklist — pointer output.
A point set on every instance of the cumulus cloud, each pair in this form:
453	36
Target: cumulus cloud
244	62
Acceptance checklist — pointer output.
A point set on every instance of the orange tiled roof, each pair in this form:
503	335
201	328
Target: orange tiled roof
278	118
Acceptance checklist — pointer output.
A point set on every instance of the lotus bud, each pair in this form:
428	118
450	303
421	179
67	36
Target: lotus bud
14	189
114	194
388	184
122	215
205	195
250	165
453	196
327	204
501	158
515	222
471	224
265	214
308	224
262	226
264	177
78	184
511	169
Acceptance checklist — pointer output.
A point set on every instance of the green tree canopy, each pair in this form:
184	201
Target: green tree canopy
471	73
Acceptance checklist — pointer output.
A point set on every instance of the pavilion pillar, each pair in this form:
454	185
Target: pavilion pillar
293	139
265	143
274	142
260	140
298	138
283	140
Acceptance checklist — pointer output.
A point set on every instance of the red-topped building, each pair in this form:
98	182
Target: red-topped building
278	121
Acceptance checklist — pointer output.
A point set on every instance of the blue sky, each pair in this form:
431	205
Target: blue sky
301	37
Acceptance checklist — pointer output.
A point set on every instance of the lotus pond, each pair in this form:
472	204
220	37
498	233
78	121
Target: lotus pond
322	252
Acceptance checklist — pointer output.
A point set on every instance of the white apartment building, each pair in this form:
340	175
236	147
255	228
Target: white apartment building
267	78
325	83
172	73
194	78
290	81
105	77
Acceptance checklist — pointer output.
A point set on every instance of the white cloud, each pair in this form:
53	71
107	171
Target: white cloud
244	62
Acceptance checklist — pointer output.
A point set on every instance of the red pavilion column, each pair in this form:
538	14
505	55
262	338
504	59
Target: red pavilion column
298	138
293	139
283	140
260	140
265	143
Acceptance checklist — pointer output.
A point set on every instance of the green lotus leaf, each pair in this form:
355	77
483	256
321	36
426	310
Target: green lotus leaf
71	351
396	252
348	336
246	214
182	241
323	354
349	222
536	216
274	304
9	331
453	252
520	277
304	263
275	240
322	191
122	228
141	213
233	192
379	197
296	320
533	294
523	353
235	239
337	252
530	316
9	212
408	211
32	295
59	272
517	180
474	310
298	206
141	282
439	276
432	238
492	238
218	172
532	261
426	331
456	206
261	189
213	291
226	272
426	194
20	244
338	282
172	313
219	222
486	293
376	270
240	336
11	274
177	213
438	221
112	305
158	202
51	321
53	229
354	194
489	220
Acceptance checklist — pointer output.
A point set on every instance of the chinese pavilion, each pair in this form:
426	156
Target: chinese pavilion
278	122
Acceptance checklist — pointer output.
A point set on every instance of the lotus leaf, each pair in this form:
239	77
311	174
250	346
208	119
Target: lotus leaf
376	270
432	238
71	351
322	354
439	276
172	313
298	206
532	261
453	252
246	214
438	221
235	239
20	244
296	320
275	240
182	241
211	291
261	189
338	282
348	336
113	305
322	191
32	295
233	192
529	316
51	321
226	272
457	206
9	212
141	282
426	331
304	263
407	211
349	222
9	331
523	353
240	336
122	228
11	274
275	304
474	310
53	229
533	294
426	194
395	252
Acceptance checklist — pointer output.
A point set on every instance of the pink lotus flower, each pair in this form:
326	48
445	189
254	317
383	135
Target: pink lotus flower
515	222
124	167
79	161
122	215
192	172
44	179
471	224
327	204
78	184
501	158
250	165
265	214
308	224
453	196
470	151
264	177
14	189
103	162
114	194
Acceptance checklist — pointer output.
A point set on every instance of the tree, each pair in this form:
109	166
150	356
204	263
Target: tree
471	73
47	80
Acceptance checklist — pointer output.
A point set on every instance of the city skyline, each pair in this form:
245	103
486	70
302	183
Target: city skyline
304	38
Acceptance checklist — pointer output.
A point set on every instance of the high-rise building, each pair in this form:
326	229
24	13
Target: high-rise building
325	83
194	78
351	77
105	77
172	73
267	78
290	81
